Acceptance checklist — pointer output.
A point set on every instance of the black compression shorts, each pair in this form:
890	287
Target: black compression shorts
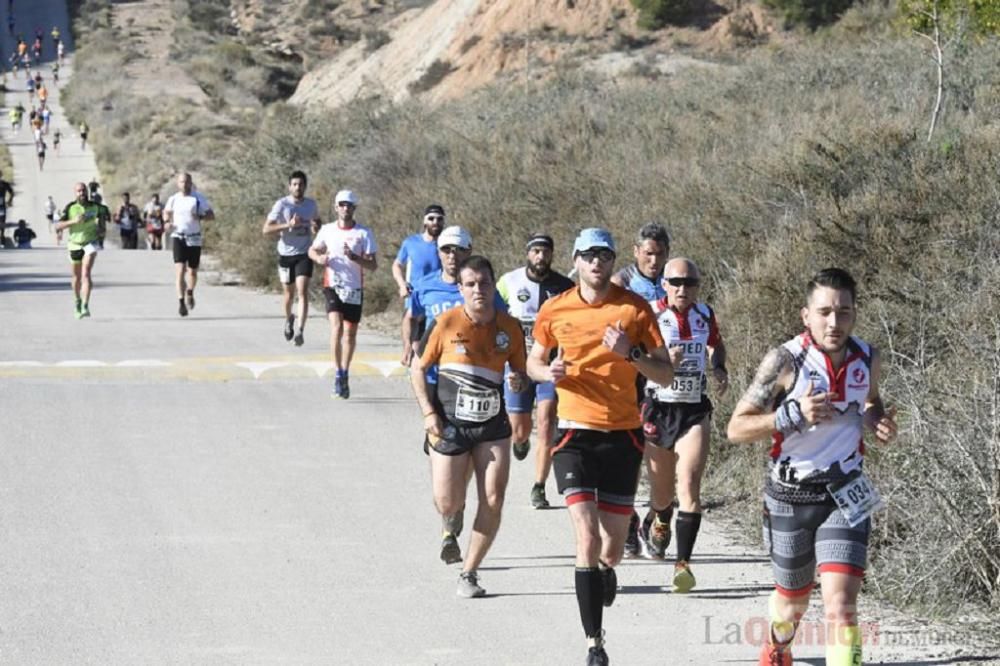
597	466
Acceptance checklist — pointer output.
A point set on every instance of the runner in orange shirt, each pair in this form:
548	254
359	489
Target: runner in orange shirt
466	415
592	341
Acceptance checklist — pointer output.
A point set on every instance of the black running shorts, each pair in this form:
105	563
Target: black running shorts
462	439
350	311
76	256
663	423
596	466
186	255
294	266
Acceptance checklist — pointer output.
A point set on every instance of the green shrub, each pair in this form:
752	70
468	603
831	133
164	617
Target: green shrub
810	13
654	14
982	16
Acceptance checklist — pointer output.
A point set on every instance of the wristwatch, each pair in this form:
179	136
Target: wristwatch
634	354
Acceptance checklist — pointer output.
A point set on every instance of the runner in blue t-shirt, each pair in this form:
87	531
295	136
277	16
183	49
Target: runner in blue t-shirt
417	257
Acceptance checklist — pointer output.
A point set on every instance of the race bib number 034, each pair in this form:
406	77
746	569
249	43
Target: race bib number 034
856	498
476	406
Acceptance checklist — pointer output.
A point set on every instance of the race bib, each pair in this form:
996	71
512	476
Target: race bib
192	240
347	295
526	327
476	405
856	498
284	274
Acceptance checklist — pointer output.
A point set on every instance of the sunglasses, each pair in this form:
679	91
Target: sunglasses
345	204
604	256
451	249
434	218
683	281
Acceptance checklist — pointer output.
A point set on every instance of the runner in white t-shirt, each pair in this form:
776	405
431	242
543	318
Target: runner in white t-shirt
344	249
183	213
294	218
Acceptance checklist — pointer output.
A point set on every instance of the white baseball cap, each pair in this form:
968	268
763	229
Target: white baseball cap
346	195
457	236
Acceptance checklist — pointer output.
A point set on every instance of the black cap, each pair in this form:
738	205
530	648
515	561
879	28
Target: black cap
434	208
540	239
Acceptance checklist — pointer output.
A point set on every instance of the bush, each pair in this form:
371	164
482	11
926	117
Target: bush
811	13
655	14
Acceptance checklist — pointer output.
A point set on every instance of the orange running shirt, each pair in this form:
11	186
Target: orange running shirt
470	359
599	388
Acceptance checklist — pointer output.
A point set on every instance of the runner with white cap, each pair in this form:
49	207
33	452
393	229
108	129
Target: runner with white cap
344	249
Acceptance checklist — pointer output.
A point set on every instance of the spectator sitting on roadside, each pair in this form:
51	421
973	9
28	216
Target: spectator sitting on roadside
23	235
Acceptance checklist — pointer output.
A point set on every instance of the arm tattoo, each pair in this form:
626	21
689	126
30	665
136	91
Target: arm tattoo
760	393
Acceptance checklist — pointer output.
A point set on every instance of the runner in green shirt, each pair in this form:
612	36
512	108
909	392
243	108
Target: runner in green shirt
81	218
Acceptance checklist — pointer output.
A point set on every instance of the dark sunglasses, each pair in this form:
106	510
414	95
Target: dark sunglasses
683	281
604	256
451	249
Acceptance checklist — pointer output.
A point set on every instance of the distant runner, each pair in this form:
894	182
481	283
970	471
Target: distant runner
6	200
345	249
417	257
128	218
184	213
294	218
152	218
80	218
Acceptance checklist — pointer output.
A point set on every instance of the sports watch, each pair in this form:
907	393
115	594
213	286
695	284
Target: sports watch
634	353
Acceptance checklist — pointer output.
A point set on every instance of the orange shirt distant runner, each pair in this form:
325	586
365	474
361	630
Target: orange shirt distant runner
599	388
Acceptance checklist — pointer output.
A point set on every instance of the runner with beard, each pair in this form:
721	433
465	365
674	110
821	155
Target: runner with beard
525	290
417	257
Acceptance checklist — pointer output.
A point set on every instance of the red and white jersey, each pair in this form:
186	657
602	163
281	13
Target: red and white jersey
797	456
341	271
694	330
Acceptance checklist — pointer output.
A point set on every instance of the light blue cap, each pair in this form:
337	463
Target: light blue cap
593	237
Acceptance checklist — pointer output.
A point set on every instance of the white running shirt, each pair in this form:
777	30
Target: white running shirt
186	208
341	271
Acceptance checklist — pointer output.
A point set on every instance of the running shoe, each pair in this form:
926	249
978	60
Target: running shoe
289	328
78	311
596	656
538	497
85	310
338	387
684	580
776	654
182	310
299	339
190	300
450	551
468	585
345	392
632	539
521	450
609	581
657	538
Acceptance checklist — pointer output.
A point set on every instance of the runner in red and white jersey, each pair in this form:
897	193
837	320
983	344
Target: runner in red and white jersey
815	396
676	419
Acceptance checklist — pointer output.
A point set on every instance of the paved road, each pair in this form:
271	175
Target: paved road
184	491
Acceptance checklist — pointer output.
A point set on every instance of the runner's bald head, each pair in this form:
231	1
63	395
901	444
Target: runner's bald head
681	266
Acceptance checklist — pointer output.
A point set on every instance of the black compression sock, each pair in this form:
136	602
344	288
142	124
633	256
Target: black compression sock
590	598
665	515
687	527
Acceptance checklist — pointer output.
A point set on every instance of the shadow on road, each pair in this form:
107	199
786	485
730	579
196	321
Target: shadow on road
35	282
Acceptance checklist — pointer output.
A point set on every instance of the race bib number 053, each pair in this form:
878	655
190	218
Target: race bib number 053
856	498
